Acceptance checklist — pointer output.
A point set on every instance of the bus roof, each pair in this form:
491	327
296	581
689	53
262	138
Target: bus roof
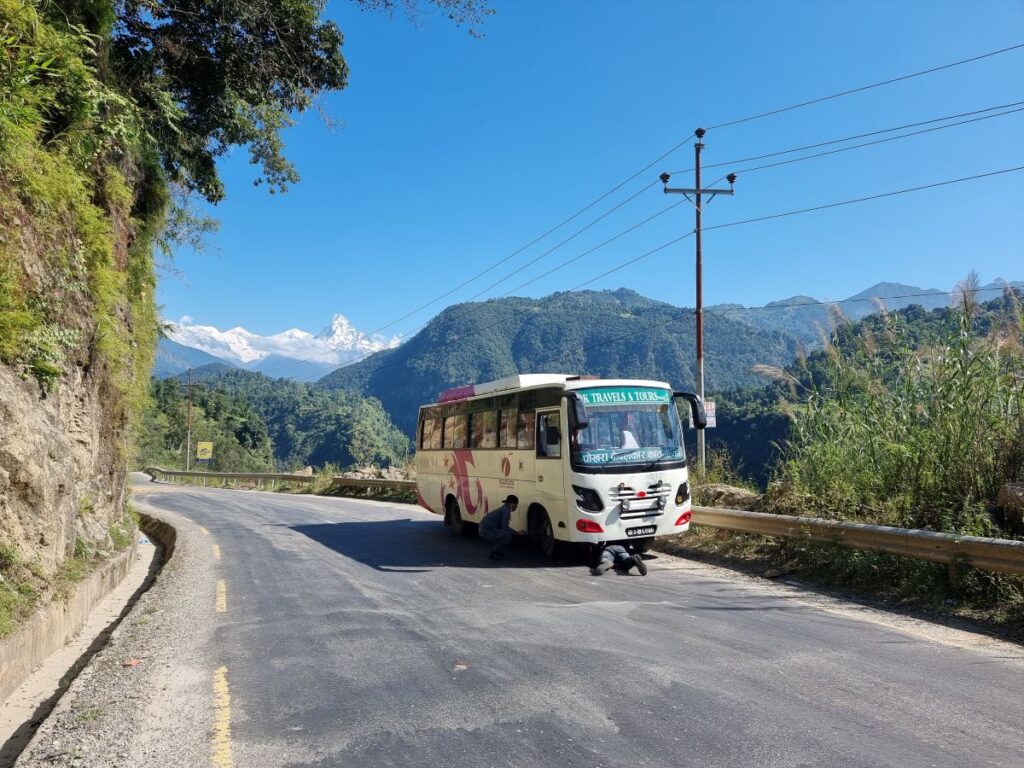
521	381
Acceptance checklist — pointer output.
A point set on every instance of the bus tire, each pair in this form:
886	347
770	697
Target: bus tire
453	518
549	545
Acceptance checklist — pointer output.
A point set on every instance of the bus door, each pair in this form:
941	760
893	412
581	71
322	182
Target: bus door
551	442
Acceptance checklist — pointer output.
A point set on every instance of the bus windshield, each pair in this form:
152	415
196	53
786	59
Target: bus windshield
628	425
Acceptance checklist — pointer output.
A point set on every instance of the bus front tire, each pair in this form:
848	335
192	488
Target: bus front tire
546	538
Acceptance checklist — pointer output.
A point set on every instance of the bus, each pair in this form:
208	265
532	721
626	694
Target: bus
592	460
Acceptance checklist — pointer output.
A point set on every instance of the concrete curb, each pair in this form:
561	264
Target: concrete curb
55	624
161	531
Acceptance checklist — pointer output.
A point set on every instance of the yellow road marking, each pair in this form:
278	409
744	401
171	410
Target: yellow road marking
216	551
222	597
204	530
221	741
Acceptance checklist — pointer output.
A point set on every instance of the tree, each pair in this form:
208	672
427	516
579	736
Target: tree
206	76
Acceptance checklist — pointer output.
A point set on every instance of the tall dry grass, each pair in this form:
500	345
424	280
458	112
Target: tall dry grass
913	432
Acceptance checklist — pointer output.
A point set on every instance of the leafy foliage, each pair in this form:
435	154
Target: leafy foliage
256	423
239	434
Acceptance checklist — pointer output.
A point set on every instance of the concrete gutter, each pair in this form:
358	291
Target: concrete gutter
55	624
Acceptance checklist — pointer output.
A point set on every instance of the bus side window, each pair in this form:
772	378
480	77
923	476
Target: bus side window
449	432
475	429
460	430
507	428
435	435
488	421
526	433
544	448
427	433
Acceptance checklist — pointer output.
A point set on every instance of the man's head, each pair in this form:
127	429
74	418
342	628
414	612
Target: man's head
511	501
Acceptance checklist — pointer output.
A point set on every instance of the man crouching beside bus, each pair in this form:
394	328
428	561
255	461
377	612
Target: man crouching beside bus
495	528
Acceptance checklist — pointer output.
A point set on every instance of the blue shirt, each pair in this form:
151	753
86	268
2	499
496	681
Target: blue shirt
496	519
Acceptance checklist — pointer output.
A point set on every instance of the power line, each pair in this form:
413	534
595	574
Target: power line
555	248
743	171
659	159
854	137
865	199
673	149
862	88
470	310
661	247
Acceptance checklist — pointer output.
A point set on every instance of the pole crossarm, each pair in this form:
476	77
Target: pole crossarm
681	191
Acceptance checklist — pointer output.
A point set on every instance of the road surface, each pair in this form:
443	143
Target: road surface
354	633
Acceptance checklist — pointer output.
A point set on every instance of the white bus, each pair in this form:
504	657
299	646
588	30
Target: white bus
591	460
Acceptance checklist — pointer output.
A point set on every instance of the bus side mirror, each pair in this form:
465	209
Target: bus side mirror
700	419
579	410
552	436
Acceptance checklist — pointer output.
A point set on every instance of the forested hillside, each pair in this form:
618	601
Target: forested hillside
257	423
609	333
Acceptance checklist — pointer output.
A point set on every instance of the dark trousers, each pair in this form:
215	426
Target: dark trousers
499	539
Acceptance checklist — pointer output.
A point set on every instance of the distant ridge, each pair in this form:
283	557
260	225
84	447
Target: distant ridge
606	333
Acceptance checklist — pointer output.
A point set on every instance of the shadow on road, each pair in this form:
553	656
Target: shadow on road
415	546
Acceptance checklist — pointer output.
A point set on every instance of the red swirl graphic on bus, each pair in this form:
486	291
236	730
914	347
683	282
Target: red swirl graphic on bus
462	487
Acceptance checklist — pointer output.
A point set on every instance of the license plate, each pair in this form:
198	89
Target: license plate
646	530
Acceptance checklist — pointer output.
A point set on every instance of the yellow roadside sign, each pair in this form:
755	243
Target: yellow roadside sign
204	451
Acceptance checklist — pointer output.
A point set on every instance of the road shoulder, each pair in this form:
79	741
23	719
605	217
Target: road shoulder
144	699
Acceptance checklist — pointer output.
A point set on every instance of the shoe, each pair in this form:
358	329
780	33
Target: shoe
640	564
601	568
497	555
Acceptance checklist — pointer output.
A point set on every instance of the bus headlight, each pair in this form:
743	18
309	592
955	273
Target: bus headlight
682	494
588	499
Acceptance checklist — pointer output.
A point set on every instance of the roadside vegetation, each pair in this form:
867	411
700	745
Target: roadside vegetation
26	584
913	419
113	117
258	424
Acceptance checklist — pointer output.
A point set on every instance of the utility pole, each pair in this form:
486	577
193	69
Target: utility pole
697	201
188	421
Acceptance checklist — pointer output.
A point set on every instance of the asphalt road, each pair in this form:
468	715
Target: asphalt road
358	633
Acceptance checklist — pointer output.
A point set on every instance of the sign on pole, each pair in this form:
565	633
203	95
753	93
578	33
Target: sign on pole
204	451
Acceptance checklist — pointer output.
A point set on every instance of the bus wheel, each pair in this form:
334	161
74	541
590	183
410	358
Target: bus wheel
546	539
454	518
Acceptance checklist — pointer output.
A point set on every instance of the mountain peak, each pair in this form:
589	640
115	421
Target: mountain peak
894	290
295	352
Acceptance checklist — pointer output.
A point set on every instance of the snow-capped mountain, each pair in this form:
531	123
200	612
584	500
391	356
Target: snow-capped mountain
290	354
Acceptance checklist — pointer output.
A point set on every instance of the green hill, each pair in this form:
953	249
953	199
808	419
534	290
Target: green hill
606	333
304	424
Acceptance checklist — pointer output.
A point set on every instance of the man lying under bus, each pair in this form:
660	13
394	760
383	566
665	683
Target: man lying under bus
495	528
618	557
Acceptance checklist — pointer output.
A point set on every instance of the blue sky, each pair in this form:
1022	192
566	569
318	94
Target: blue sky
452	152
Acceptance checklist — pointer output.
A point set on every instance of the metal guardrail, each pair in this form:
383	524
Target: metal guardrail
366	482
1003	555
273	477
988	554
